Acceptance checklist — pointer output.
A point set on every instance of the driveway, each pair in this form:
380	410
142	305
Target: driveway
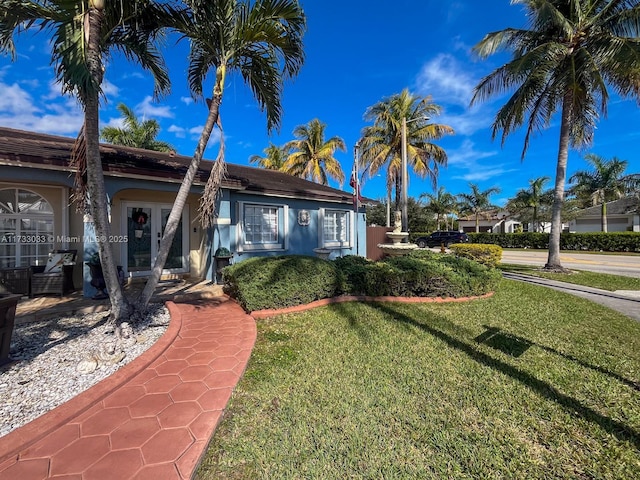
626	265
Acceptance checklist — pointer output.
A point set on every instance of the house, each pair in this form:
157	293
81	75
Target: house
623	215
260	212
492	221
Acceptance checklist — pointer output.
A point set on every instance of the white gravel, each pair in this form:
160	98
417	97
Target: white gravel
46	354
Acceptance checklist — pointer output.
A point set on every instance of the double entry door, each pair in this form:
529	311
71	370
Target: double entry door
144	224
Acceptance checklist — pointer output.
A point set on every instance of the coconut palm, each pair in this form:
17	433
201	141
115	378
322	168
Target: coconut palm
381	143
563	63
135	133
442	203
84	33
476	202
274	158
604	182
260	41
530	199
311	155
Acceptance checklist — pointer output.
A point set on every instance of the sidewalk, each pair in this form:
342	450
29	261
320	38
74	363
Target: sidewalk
626	302
151	419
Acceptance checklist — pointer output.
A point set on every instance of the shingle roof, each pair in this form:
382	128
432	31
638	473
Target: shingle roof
37	150
623	206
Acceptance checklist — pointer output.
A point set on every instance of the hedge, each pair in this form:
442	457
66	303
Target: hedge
489	255
594	241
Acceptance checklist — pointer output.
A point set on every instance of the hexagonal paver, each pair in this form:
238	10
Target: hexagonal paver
227	350
162	384
115	465
221	379
179	414
52	443
200	358
134	433
215	399
178	353
105	421
204	425
35	469
210	346
67	461
167	445
150	405
184	342
124	396
223	363
197	372
164	471
188	391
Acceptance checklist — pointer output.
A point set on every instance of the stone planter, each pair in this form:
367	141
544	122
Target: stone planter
8	305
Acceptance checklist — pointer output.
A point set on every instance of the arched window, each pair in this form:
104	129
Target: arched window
26	228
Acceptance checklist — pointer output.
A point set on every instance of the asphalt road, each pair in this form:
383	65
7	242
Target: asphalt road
627	265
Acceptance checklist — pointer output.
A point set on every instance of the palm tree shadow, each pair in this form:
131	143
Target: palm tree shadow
620	430
495	337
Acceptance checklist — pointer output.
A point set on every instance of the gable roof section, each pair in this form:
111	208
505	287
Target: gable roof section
486	216
623	206
50	152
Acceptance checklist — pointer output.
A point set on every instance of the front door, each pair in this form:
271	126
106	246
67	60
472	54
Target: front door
144	224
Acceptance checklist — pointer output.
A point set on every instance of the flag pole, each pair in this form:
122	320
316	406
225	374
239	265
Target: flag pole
356	193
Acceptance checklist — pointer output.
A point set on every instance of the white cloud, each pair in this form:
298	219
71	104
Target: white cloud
446	80
177	131
186	100
467	155
149	110
109	89
485	173
116	122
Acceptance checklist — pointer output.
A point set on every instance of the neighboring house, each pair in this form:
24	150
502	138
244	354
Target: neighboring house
492	221
623	215
260	212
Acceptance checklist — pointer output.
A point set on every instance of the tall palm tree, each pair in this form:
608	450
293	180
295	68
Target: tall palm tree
476	202
84	33
381	143
135	133
311	155
442	203
531	199
274	158
604	183
562	63
261	41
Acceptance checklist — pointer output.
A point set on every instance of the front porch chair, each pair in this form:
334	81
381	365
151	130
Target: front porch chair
56	277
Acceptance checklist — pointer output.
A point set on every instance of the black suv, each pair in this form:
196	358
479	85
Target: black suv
438	238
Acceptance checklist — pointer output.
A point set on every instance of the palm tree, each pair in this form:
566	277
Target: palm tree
531	198
381	143
135	133
311	155
476	202
262	42
563	62
442	203
274	158
84	33
604	183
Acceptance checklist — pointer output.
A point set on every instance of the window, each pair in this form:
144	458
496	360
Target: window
26	228
336	228
261	227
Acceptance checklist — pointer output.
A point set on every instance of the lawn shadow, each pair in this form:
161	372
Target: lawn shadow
495	332
620	430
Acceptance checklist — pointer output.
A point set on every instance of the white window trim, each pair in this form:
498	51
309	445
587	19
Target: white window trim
282	245
350	229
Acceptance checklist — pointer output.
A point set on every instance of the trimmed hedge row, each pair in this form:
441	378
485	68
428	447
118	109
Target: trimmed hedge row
277	282
489	255
596	241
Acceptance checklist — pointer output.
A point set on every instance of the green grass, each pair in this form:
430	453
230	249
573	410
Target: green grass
530	383
604	281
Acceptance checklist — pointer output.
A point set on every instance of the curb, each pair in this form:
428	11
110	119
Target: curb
23	437
261	314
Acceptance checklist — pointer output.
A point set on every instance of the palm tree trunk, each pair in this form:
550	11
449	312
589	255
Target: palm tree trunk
553	260
181	198
604	217
477	222
535	219
95	179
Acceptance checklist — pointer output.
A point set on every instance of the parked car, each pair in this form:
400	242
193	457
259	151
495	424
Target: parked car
442	237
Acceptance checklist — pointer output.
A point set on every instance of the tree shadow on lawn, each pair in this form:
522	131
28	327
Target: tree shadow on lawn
515	346
620	430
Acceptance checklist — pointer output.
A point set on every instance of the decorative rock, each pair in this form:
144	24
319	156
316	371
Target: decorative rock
87	365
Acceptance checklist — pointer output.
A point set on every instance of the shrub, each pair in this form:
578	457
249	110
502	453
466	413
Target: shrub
353	273
276	282
593	241
489	255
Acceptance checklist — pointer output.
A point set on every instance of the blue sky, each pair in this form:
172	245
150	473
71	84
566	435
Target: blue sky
357	53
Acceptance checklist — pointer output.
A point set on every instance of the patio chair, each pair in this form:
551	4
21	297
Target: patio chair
56	277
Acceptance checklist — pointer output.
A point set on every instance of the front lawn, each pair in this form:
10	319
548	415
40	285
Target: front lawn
530	383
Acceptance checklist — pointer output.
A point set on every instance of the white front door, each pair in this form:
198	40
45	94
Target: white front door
144	224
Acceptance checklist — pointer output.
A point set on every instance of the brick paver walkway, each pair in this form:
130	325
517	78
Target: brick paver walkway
154	417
